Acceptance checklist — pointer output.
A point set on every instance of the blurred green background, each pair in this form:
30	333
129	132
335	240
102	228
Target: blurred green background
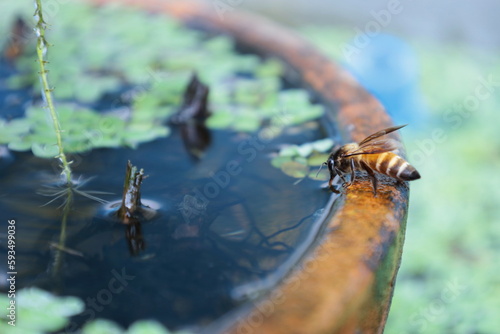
449	278
443	77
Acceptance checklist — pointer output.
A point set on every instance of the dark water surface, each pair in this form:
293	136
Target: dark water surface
226	228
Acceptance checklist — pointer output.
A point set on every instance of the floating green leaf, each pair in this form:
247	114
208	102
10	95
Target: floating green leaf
270	68
39	311
307	155
247	121
101	326
322	145
147	327
220	120
44	150
317	159
319	175
295	169
280	160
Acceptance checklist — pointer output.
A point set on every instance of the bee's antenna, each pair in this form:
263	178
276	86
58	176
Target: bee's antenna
321	166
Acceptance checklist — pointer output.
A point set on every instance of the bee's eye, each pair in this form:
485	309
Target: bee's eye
330	164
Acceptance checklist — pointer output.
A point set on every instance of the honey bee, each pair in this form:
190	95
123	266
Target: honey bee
370	155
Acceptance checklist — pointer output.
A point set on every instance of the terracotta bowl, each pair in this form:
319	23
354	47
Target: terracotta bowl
345	284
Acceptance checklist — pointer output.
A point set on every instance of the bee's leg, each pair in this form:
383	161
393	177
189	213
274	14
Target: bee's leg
332	188
371	173
330	182
353	176
341	174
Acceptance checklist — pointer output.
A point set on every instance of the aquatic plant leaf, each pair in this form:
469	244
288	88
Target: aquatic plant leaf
147	327
40	299
301	160
304	150
280	160
90	88
169	89
8	329
294	98
219	45
323	145
289	151
307	154
44	150
220	95
101	326
247	122
4	301
39	311
270	68
145	104
306	114
19	145
13	130
295	169
110	142
319	176
135	137
317	159
77	146
247	63
220	119
40	320
110	125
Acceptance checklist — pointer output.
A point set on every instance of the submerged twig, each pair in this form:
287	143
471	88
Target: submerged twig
191	116
17	40
195	103
131	200
131	211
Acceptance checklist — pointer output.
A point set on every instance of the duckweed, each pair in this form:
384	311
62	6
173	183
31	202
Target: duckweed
300	161
99	52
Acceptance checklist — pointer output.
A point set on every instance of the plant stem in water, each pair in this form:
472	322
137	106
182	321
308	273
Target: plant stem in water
41	50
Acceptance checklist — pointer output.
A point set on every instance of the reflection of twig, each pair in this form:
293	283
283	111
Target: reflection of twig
135	239
62	235
287	229
66	249
246	255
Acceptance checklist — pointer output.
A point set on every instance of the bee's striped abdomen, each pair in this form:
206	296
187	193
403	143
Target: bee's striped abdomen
391	165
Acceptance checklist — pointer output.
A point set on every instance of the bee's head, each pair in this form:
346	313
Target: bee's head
336	160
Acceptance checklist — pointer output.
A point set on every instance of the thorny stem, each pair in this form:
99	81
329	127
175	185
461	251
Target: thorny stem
41	50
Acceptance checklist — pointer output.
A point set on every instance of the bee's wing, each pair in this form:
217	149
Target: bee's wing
376	147
380	133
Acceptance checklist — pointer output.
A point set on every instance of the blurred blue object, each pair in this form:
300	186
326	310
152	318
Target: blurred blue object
388	67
